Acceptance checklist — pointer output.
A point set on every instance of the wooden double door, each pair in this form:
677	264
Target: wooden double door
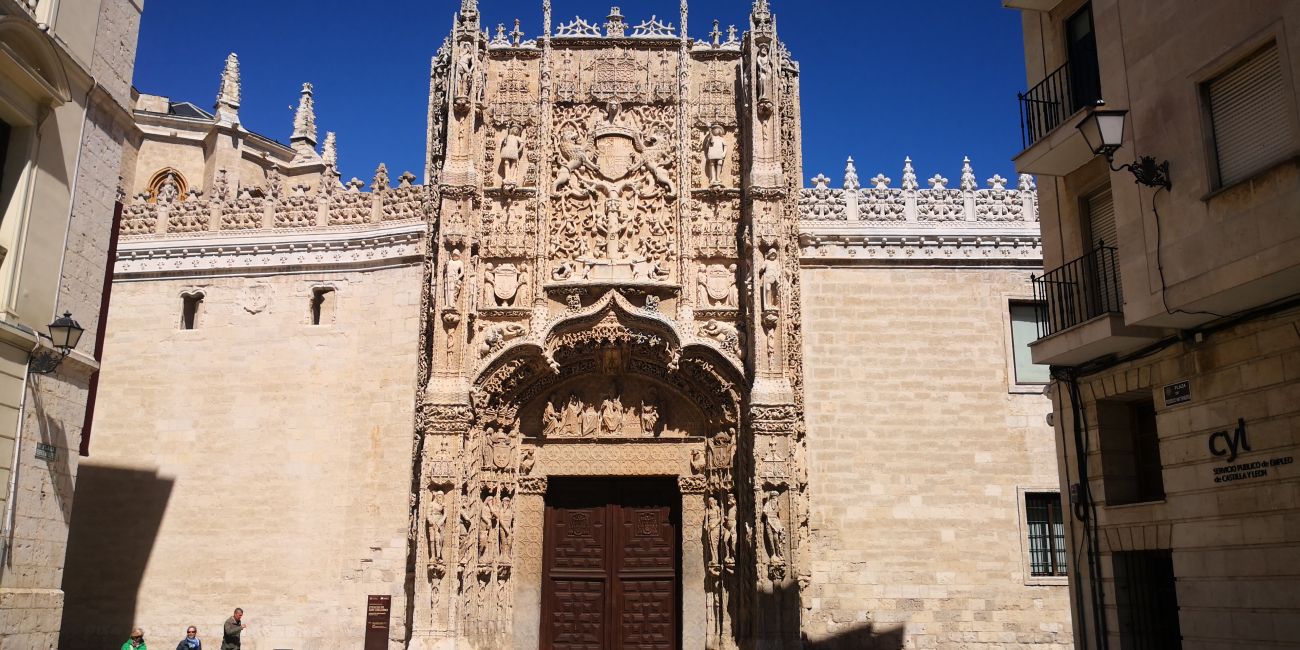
612	575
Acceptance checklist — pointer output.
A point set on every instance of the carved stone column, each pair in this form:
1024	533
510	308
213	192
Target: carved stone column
441	427
695	627
529	523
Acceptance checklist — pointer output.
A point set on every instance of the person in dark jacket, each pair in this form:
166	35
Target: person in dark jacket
233	628
191	640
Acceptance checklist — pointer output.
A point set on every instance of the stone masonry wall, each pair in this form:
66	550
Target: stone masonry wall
256	461
917	450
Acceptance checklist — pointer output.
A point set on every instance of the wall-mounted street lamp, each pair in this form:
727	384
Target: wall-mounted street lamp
1103	130
64	335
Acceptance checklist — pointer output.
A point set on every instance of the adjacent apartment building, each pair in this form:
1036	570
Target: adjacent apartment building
1165	138
65	78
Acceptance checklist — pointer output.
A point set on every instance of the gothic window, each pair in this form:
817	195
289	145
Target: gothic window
1046	529
191	309
322	305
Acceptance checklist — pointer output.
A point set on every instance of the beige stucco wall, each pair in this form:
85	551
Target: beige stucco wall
256	461
918	448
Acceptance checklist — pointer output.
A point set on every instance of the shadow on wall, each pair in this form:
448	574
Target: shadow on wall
864	637
777	615
116	514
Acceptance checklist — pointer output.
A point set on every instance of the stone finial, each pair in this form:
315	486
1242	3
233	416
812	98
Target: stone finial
615	26
354	186
407	179
731	35
851	176
716	34
1026	183
303	140
909	175
997	182
381	178
469	9
938	182
500	39
517	35
761	16
228	95
881	181
968	182
821	182
329	151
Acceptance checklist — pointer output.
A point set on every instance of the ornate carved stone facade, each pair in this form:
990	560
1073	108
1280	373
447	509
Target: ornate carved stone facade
610	238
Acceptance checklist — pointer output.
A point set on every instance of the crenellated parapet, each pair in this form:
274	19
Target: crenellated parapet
885	223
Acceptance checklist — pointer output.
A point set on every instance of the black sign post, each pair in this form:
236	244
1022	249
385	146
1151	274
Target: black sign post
378	610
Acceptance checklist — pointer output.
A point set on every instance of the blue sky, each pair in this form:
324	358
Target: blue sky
880	80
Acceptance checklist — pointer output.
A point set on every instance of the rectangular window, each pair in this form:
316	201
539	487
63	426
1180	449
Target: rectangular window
322	306
1081	44
1046	527
1146	600
1130	450
5	135
191	310
1024	330
1253	123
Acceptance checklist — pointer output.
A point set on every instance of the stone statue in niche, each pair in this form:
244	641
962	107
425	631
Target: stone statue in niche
715	154
773	528
729	532
511	152
453	279
487	533
505	530
467	517
717	286
712	532
769	279
169	191
465	70
505	283
763	78
435	519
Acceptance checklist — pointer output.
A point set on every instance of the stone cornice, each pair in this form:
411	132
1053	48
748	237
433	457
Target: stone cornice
271	252
885	244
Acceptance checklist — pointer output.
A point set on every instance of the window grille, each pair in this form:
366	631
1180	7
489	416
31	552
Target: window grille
1046	533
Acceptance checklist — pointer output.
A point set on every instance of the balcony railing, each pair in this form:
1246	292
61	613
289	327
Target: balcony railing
1078	291
1069	88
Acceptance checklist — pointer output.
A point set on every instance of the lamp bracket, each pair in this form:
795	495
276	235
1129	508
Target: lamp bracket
1146	171
46	361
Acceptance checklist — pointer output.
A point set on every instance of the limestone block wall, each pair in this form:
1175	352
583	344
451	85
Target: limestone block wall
919	449
256	461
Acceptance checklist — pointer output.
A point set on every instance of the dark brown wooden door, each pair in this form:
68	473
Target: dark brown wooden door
611	576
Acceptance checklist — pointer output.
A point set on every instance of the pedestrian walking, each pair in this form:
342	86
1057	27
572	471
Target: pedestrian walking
235	626
136	642
191	640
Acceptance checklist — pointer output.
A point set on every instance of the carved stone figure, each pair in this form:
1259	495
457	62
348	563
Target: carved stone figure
504	284
590	421
465	70
717	286
435	519
572	157
763	78
572	416
729	531
453	279
769	278
719	450
650	414
487	520
773	527
505	530
713	555
526	462
611	413
467	527
552	420
169	191
656	158
498	335
715	154
512	150
697	461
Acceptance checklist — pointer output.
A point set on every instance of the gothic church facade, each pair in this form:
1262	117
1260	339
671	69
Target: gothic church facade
611	377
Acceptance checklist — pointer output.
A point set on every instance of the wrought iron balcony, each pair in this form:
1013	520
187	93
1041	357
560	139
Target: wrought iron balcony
1044	107
1078	291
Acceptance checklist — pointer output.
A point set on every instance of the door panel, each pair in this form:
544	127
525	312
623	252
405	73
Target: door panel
611	575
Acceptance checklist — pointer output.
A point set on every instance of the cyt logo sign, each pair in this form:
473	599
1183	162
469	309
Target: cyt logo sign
1223	444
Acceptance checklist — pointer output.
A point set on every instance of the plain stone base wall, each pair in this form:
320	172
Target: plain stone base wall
918	451
256	461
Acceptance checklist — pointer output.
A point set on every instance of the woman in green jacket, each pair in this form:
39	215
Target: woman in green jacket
136	642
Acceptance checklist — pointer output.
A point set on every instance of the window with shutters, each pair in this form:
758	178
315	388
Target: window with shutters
1251	116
